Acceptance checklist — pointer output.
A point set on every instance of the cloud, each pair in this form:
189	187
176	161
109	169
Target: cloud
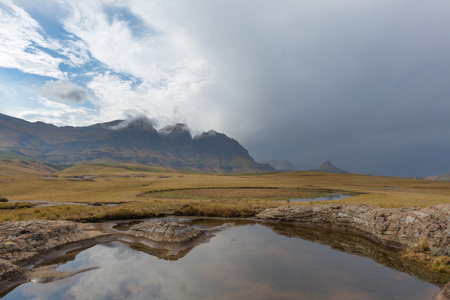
25	46
22	43
63	91
59	114
361	83
139	121
352	83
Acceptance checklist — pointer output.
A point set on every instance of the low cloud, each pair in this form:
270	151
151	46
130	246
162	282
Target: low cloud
140	121
63	91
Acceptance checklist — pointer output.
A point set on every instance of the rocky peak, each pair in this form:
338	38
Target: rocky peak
328	167
326	164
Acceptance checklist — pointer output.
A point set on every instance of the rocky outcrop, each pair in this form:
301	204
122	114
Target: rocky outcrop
406	225
166	232
23	240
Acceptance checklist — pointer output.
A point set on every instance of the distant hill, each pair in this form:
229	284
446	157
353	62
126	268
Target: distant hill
329	168
442	177
132	141
285	165
8	166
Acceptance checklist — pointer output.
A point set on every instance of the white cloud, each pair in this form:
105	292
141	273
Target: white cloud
19	36
59	114
25	46
117	97
159	68
150	56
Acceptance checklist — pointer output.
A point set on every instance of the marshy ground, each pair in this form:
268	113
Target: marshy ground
142	191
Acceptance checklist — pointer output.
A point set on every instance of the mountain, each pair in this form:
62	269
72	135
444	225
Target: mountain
329	168
442	177
285	165
131	141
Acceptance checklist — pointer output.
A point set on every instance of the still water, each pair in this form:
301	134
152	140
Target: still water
249	261
324	198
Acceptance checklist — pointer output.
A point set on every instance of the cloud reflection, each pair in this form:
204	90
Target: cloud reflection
243	262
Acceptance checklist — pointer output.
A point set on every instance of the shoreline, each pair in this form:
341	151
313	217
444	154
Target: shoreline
24	244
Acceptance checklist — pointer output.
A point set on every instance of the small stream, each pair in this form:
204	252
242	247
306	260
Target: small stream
247	261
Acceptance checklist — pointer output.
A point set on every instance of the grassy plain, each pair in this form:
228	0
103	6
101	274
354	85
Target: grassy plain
114	191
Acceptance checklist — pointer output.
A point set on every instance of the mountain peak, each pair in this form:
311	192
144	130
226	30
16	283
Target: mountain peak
326	164
329	168
177	129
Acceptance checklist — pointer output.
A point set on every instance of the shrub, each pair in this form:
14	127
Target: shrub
422	246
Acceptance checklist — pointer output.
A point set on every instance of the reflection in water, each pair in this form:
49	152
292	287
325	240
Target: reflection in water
362	246
243	262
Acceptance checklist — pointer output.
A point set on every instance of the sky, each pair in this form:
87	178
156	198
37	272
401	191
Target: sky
362	83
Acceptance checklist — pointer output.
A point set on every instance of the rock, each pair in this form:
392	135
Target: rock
8	270
406	226
23	240
166	232
444	294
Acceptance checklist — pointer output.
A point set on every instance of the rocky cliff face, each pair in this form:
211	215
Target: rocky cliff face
133	141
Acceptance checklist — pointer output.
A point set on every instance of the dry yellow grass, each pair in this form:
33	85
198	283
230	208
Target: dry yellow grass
147	191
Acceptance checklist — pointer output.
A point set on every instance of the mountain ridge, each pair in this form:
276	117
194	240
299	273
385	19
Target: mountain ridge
128	141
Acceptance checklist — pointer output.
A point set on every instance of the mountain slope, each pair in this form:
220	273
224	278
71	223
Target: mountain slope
132	141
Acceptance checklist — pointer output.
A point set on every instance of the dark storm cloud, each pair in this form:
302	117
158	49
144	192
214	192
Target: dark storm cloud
361	83
63	91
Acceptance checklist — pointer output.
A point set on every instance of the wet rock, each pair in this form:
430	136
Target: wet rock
166	232
405	225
